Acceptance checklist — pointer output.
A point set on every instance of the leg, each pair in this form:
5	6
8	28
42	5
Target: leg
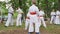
37	33
12	21
17	24
37	26
26	24
7	23
39	22
51	20
8	20
31	28
44	24
29	33
57	20
20	21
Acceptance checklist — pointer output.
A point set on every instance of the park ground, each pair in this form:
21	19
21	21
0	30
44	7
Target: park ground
51	29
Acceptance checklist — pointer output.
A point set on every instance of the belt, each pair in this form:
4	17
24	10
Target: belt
32	13
40	16
57	15
53	15
10	13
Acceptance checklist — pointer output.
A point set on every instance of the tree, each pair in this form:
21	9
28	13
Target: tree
46	5
59	4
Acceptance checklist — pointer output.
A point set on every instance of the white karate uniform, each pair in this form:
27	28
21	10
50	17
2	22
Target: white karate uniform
41	18
18	22
10	18
33	18
59	17
27	21
57	20
53	16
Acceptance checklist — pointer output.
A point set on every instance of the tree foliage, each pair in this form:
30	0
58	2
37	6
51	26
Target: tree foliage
46	5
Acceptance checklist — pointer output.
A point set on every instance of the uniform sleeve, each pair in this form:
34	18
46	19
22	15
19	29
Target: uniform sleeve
29	9
37	11
28	14
12	9
43	13
51	13
21	11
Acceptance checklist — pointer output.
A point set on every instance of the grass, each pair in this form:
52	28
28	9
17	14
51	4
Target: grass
51	28
2	27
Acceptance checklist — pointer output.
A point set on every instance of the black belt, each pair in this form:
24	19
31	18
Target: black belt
53	15
10	13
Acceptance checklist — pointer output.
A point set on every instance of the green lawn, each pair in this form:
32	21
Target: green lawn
54	29
2	27
51	28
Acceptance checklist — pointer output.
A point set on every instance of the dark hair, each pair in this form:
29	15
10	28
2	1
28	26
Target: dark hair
34	1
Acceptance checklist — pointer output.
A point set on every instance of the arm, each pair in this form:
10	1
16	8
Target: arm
37	11
21	11
43	13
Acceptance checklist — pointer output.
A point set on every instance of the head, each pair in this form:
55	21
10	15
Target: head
58	10
17	8
34	1
53	10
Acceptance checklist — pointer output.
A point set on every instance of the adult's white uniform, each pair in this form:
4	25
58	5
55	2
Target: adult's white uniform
10	18
33	10
19	17
57	20
41	18
53	16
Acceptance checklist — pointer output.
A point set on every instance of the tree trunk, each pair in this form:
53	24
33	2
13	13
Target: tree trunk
59	4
